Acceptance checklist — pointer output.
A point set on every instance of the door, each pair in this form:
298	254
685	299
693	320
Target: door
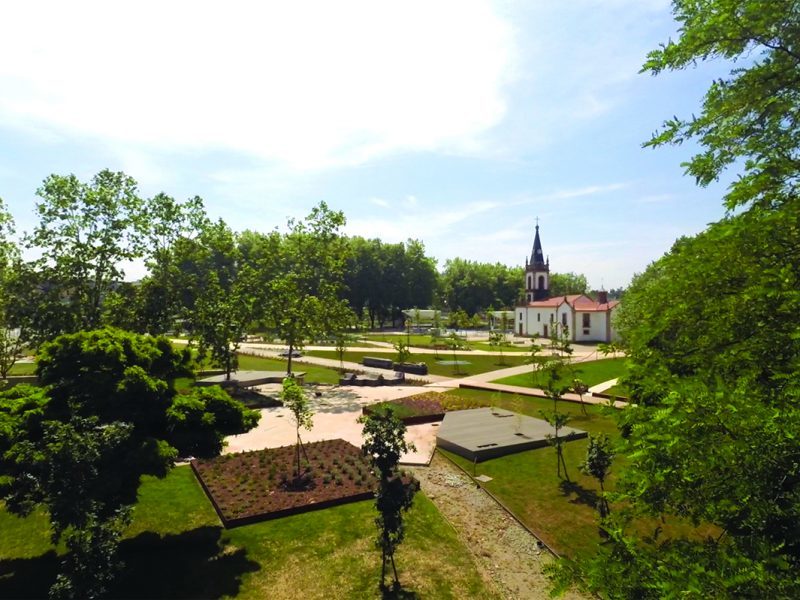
545	331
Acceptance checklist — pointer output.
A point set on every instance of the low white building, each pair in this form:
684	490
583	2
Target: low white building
585	319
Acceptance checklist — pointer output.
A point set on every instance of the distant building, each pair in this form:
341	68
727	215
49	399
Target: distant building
585	319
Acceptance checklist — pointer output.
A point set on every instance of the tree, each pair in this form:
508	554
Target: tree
715	368
403	353
303	300
534	359
599	456
562	284
85	232
748	119
497	339
384	443
580	388
295	399
11	337
107	414
168	221
555	388
454	342
473	287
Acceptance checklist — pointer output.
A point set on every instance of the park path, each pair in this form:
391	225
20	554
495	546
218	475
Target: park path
506	554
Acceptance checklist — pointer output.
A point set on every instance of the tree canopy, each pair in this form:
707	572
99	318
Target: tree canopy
713	337
749	119
106	414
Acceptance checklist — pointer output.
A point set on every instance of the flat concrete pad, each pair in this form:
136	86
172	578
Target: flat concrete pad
336	413
483	433
247	378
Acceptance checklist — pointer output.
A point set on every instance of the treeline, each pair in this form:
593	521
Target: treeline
214	283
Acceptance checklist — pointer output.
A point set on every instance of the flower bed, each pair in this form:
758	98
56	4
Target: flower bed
256	486
424	408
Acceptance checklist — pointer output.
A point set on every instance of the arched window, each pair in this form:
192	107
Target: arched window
541	282
529	282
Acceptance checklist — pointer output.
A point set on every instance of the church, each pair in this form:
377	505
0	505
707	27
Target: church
585	319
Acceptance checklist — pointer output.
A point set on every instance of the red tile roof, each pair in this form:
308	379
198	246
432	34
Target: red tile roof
578	302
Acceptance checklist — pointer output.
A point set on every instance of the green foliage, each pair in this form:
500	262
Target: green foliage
599	456
403	352
473	287
11	337
749	118
303	296
384	279
711	329
562	284
384	443
107	414
85	231
294	398
736	291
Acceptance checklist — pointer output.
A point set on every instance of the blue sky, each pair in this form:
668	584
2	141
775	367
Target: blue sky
456	123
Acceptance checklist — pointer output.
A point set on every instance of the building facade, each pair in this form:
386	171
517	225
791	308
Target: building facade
585	319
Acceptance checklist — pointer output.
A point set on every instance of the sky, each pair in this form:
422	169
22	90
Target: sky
456	123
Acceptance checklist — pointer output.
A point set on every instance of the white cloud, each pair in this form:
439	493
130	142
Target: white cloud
380	202
311	84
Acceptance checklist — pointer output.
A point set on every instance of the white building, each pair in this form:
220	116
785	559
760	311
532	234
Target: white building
585	319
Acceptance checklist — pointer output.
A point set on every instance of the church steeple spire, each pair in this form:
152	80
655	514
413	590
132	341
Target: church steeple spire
537	256
537	272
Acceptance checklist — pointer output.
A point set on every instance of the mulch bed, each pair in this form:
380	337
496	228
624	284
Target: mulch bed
255	486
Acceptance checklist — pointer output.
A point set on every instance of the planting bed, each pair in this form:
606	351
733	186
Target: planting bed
422	408
256	486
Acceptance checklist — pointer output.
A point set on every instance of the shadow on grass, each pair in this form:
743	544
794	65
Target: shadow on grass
192	564
396	592
582	495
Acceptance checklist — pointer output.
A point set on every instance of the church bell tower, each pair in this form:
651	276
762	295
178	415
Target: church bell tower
537	272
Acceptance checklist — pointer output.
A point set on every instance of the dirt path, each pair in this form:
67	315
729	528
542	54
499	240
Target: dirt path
505	553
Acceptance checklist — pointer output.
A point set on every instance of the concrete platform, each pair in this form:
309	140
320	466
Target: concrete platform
483	433
248	378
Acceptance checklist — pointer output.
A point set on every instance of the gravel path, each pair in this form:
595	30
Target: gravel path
507	556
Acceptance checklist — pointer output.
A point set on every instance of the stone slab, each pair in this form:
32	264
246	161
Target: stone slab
483	433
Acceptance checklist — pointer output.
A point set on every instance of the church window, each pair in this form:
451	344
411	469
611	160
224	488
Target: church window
538	317
541	282
587	320
552	317
564	319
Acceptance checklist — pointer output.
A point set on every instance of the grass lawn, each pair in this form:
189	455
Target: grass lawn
176	548
563	515
618	390
23	369
478	363
424	341
314	373
592	373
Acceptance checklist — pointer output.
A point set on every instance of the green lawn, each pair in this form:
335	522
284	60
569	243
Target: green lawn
176	548
314	373
592	373
23	369
477	363
424	341
563	515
